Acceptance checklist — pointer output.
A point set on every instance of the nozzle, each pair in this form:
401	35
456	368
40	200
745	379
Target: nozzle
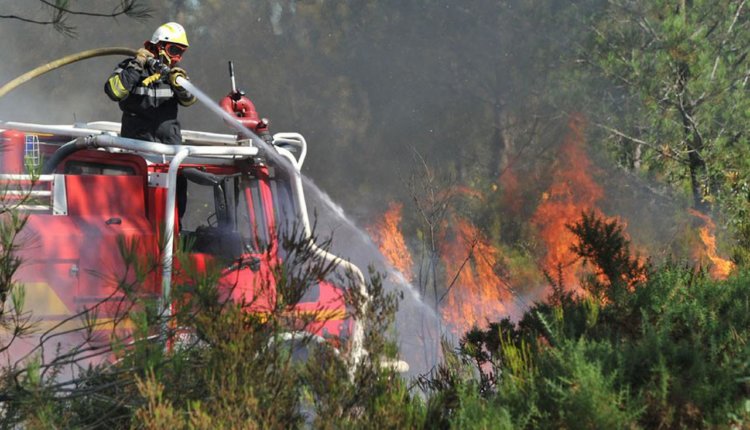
158	65
231	76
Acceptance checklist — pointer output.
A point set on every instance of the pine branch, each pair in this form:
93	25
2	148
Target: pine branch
129	8
642	142
61	11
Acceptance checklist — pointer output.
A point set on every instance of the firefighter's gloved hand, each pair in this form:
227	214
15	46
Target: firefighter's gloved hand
142	56
183	96
174	74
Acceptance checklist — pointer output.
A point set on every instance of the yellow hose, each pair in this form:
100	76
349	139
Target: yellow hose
52	65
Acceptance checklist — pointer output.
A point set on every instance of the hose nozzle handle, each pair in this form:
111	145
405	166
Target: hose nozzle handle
159	66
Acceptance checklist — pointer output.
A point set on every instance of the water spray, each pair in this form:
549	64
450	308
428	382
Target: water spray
271	153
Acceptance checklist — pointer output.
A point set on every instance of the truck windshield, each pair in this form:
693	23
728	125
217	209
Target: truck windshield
231	215
217	218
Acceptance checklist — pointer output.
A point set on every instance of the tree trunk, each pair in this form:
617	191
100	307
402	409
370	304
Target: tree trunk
696	163
501	145
637	154
697	169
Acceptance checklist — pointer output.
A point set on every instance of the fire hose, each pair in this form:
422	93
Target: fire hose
64	61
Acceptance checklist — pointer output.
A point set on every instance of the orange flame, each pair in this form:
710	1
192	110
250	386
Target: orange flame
387	235
720	268
475	292
572	192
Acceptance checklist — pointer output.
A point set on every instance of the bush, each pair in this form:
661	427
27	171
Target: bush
236	369
653	347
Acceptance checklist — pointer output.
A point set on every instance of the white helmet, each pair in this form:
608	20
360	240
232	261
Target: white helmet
171	32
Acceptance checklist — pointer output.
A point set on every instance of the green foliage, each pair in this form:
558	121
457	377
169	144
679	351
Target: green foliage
476	412
603	244
653	347
229	366
677	76
11	225
671	353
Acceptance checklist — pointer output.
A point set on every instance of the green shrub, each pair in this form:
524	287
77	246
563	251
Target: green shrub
652	347
236	369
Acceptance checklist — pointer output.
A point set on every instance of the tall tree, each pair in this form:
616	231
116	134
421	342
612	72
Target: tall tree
680	71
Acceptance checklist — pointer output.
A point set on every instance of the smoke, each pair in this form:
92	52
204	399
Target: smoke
466	86
75	92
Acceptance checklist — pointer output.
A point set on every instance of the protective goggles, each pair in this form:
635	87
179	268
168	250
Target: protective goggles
174	50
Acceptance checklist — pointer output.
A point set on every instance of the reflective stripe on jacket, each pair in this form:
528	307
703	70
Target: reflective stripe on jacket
149	105
156	101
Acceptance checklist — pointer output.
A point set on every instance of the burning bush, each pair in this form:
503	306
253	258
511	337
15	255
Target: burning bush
666	350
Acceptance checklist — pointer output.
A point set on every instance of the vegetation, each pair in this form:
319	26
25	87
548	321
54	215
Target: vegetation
58	12
645	346
670	353
226	368
679	74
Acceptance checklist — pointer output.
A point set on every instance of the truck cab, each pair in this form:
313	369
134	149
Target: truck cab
216	199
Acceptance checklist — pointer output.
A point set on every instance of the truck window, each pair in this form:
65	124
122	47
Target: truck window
285	210
217	219
90	168
235	215
257	221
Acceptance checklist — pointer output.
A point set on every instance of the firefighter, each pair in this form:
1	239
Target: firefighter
147	90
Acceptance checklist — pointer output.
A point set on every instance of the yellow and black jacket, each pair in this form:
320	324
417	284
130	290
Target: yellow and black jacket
148	102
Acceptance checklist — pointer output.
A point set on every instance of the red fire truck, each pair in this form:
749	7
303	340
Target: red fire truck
97	189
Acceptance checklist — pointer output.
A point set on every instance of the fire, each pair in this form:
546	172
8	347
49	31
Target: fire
720	268
475	292
572	192
386	233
